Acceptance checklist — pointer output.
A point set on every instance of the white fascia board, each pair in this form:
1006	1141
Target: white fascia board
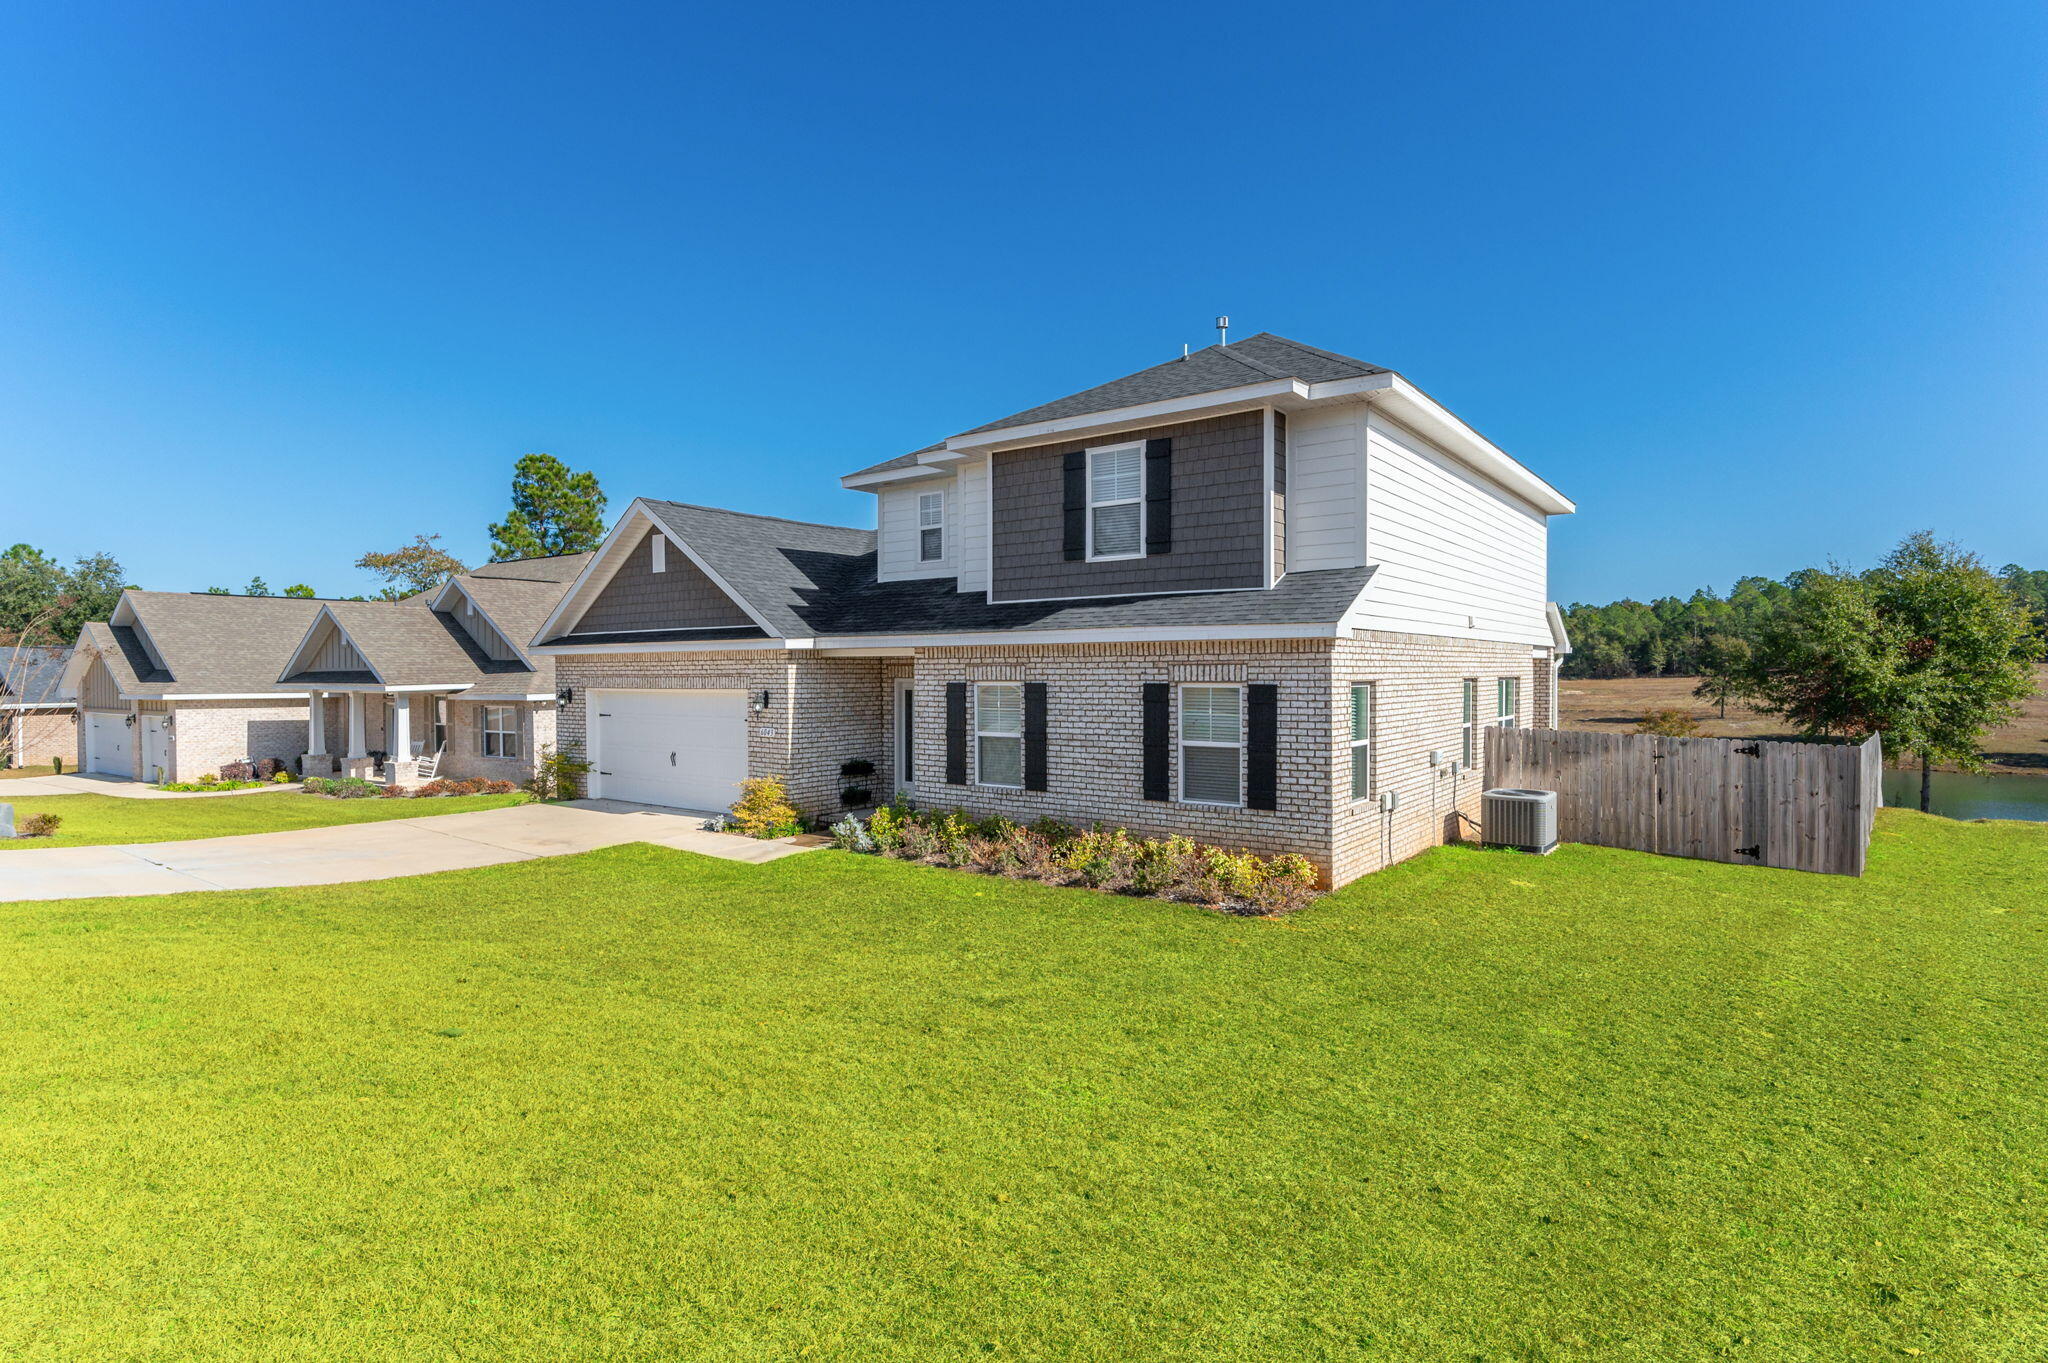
124	613
676	646
175	696
857	481
1144	414
1150	634
1560	642
1416	409
38	705
507	699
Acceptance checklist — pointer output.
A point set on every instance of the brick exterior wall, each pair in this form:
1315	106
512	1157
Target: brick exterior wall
824	711
1418	707
464	759
206	734
33	737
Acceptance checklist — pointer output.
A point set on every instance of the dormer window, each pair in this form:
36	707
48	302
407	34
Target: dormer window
1116	489
931	527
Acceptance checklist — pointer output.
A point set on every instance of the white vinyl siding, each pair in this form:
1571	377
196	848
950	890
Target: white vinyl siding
903	516
1326	488
1212	745
999	734
1455	555
1116	507
1361	740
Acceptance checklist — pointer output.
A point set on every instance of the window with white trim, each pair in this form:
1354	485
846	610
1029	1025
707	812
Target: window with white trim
1468	722
1361	740
931	527
1116	508
999	734
440	723
1212	745
659	561
1509	704
501	731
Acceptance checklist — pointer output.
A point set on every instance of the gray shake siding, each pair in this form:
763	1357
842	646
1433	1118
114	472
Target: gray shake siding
637	597
1219	531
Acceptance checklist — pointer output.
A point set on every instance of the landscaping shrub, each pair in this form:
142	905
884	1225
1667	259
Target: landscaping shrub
557	775
282	778
268	768
57	766
853	797
395	793
764	811
858	767
1102	858
342	787
38	825
238	771
206	783
1669	723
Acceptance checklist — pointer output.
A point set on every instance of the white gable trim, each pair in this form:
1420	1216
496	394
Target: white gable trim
296	663
610	557
125	613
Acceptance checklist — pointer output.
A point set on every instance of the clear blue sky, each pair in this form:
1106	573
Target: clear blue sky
1755	284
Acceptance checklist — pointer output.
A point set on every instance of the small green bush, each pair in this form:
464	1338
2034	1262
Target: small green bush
1102	858
38	825
341	787
557	775
764	811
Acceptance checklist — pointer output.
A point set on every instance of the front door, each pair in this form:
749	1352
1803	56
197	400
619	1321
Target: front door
906	737
156	748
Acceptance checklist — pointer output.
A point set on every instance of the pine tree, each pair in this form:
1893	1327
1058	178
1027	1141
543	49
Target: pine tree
553	511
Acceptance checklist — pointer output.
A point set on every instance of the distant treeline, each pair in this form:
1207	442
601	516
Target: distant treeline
1682	637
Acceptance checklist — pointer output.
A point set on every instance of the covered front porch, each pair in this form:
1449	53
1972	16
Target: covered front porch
406	736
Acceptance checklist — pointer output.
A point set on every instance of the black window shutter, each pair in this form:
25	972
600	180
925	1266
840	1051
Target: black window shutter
1262	747
1159	495
1158	723
1034	735
1074	473
956	733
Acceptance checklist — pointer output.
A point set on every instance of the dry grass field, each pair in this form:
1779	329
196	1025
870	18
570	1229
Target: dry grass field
1615	706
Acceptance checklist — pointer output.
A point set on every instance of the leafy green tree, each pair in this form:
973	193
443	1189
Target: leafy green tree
218	591
300	589
257	587
1722	662
412	568
1825	661
1967	648
553	511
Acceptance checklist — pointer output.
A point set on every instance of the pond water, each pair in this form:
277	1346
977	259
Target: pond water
1961	796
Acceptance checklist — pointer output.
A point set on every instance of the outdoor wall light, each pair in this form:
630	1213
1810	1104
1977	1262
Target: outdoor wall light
129	721
761	702
565	695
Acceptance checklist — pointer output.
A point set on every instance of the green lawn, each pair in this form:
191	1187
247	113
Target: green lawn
93	819
643	1105
26	773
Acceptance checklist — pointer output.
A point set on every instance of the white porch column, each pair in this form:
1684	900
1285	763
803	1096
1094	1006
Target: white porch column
356	748
316	727
400	737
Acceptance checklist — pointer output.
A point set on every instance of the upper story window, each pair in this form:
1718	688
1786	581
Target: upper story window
660	552
931	527
1510	702
1116	508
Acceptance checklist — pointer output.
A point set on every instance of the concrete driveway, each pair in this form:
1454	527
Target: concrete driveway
369	851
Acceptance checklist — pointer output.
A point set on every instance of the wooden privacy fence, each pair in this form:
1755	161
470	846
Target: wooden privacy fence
1802	806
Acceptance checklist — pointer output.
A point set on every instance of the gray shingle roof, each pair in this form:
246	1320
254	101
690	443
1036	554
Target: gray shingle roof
211	645
560	568
932	605
1255	359
411	645
781	568
901	461
31	675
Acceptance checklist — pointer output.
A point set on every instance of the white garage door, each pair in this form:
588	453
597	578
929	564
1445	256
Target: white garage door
107	740
682	748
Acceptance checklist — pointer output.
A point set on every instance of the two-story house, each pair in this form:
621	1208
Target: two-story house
1264	595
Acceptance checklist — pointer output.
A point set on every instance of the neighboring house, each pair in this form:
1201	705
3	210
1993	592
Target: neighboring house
35	708
1265	596
175	685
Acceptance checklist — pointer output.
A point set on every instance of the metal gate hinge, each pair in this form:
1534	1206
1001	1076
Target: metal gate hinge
1751	751
1756	853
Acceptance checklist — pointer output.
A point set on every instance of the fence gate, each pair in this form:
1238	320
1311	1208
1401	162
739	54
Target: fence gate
1801	806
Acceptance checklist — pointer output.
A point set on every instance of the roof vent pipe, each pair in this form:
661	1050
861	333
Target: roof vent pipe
1223	330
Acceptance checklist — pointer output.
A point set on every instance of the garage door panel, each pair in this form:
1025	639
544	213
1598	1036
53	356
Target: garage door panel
107	745
681	748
